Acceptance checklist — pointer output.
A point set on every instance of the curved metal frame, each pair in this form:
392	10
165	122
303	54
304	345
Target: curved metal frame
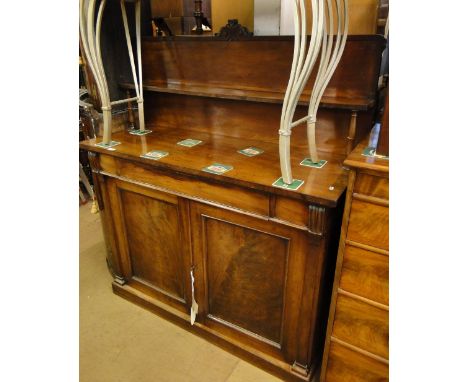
91	39
321	39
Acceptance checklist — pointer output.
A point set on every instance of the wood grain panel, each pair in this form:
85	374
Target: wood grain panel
246	277
241	119
152	231
292	210
375	186
365	273
361	325
368	224
346	365
241	64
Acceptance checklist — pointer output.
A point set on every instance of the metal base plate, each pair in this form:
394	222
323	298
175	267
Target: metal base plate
155	154
370	152
308	163
139	132
108	146
296	183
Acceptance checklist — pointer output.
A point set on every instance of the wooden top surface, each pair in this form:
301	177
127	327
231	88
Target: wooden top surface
258	172
356	160
257	95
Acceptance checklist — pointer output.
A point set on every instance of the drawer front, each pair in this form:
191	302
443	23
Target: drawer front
292	210
237	197
361	325
368	224
371	185
346	365
365	273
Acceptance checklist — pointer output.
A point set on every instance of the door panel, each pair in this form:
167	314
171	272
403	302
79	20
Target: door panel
151	226
245	272
250	276
154	246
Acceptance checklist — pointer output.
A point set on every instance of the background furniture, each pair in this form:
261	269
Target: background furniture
356	346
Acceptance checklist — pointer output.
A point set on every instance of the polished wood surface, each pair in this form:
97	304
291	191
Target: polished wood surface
262	257
239	119
365	273
346	365
257	173
372	186
186	186
366	164
151	243
368	224
362	325
264	96
256	275
241	64
246	268
356	346
247	249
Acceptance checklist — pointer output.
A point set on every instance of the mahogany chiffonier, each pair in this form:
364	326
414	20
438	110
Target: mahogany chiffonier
356	346
199	222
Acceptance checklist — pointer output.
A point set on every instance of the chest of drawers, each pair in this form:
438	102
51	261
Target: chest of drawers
356	346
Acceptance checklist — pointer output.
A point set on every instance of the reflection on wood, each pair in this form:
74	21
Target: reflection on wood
152	234
246	277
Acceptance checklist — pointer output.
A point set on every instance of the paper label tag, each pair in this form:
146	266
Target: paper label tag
218	168
296	183
194	308
189	142
251	151
155	154
308	163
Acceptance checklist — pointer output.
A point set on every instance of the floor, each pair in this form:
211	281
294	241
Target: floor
121	342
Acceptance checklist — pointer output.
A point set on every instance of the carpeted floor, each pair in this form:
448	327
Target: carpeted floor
121	342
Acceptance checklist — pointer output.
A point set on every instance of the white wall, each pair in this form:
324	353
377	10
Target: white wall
267	17
287	17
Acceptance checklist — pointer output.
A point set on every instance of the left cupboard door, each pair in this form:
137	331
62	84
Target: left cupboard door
153	242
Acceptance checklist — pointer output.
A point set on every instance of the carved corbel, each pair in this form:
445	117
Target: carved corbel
317	220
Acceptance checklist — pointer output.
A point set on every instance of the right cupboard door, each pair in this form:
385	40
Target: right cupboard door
251	283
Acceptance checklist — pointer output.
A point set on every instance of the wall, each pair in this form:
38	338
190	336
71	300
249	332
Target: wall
267	15
362	16
242	10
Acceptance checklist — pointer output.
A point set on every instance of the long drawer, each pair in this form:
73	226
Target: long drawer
365	273
283	210
368	224
248	200
346	365
362	325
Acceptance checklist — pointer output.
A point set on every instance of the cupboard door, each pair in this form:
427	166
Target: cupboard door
250	275
153	242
